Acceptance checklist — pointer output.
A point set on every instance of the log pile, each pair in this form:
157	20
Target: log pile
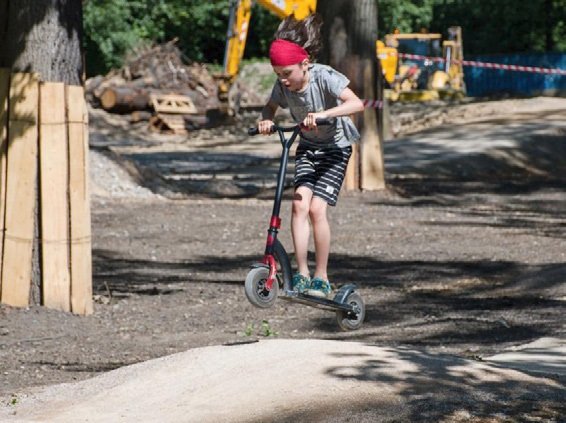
151	77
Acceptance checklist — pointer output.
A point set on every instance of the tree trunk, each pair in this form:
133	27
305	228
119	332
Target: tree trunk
44	37
349	35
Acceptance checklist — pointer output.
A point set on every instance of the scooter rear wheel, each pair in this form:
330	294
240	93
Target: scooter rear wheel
255	288
350	321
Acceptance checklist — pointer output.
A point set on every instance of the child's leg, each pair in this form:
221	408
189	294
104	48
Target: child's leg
321	232
330	165
300	227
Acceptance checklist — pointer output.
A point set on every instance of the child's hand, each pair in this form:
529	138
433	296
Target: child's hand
310	120
264	126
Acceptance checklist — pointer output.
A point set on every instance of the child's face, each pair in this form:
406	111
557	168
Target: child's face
294	77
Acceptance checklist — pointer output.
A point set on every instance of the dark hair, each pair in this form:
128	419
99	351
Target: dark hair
305	33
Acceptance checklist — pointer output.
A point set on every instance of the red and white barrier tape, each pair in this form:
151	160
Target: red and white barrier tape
517	68
373	104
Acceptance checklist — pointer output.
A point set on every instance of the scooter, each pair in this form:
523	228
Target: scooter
271	278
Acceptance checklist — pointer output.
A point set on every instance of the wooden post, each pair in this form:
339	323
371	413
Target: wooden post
4	94
372	172
20	189
352	172
79	199
53	159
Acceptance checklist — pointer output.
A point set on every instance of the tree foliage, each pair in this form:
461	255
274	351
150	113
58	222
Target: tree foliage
114	27
505	26
489	26
404	15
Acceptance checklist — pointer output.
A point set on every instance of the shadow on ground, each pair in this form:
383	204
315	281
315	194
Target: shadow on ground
436	302
437	388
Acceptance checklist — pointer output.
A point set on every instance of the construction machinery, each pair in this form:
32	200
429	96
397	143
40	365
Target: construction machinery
422	66
238	25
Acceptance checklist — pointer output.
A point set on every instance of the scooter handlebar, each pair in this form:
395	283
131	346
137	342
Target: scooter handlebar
275	128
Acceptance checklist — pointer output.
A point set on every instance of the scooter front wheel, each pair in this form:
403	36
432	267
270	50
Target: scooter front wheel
352	320
255	288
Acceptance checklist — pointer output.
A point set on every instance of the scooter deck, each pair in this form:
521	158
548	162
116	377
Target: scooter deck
322	303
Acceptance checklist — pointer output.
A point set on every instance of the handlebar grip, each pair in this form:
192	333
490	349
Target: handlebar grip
255	130
324	121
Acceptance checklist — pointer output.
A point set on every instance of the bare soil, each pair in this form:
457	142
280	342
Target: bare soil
463	255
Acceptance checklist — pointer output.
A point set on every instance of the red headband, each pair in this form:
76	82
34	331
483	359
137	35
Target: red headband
285	53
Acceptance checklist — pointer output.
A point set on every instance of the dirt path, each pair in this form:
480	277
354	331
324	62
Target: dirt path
463	255
320	381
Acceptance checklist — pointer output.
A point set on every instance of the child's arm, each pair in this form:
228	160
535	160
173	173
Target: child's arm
350	104
267	114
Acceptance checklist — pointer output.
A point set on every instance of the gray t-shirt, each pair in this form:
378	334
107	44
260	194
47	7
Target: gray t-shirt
322	93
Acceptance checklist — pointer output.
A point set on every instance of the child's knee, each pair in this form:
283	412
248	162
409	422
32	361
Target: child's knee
317	210
301	205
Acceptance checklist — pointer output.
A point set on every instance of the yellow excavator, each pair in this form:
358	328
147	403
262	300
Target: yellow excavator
238	25
408	79
413	79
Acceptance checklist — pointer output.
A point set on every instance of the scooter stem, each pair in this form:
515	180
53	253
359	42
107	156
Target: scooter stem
275	222
286	144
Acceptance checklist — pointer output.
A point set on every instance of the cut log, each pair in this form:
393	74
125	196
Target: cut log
124	100
139	116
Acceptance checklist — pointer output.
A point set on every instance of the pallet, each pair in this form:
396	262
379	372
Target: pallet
163	122
170	110
173	104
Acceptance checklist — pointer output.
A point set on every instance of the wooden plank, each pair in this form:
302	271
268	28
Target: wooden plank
79	196
4	94
53	168
20	188
371	163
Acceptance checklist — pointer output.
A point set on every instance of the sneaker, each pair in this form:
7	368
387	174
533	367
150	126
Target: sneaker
300	283
319	288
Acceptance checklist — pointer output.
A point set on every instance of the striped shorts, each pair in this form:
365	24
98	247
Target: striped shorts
322	170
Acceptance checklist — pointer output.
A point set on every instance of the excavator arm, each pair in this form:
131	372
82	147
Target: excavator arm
283	8
238	25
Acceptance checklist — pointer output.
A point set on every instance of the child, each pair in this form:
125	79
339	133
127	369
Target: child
312	91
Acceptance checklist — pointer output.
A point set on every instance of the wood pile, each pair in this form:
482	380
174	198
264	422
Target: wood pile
157	85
